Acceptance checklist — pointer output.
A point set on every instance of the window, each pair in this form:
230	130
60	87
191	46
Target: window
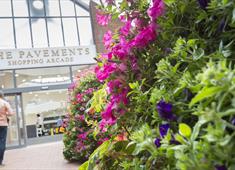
39	33
6	34
20	8
54	9
70	32
50	105
5	8
6	79
43	77
55	32
22	33
85	32
67	8
43	23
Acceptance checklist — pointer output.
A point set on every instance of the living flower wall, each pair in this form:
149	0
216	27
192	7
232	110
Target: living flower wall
78	139
168	86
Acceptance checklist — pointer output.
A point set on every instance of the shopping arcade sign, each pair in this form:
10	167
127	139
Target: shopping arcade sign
46	57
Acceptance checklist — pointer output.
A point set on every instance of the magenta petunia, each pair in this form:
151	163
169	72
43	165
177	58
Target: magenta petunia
102	73
144	37
156	9
124	30
122	49
108	39
103	19
113	85
82	136
79	97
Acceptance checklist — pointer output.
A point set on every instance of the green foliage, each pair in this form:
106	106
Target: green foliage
99	99
78	139
191	66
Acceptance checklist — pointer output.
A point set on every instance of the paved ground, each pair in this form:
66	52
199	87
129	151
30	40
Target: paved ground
38	157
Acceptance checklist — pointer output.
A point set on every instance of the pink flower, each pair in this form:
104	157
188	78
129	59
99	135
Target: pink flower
105	123
122	67
79	97
72	86
143	38
80	117
110	2
139	23
103	19
134	64
122	49
112	85
122	18
108	39
102	73
82	136
126	28
89	91
107	114
120	97
156	9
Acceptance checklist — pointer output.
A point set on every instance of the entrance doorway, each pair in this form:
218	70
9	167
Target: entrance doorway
51	105
16	135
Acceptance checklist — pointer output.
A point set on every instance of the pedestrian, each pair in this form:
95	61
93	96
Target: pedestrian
5	112
39	126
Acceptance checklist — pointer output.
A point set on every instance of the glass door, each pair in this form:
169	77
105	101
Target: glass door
16	129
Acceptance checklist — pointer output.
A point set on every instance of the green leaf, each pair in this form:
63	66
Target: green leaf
169	2
180	138
233	18
84	166
205	93
198	53
196	129
184	130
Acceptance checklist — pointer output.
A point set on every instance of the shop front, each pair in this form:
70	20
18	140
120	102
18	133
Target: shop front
44	45
33	89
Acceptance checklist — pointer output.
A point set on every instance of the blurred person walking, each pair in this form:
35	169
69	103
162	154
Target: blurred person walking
5	112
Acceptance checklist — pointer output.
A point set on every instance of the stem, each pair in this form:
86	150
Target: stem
229	125
129	134
221	101
102	4
227	112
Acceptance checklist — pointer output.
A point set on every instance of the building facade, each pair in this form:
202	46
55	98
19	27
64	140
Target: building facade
44	44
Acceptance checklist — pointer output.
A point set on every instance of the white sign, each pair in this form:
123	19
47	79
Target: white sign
46	57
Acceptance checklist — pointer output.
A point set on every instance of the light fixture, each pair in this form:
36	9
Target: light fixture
78	71
38	4
17	75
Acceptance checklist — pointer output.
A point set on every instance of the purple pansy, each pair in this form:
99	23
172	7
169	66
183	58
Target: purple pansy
233	121
220	167
157	142
163	129
203	3
173	141
165	110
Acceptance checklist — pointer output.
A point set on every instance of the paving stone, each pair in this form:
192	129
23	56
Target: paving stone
38	157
